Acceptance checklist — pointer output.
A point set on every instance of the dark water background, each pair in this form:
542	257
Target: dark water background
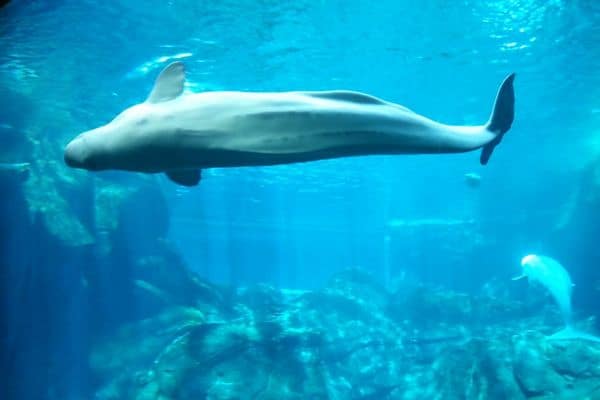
68	66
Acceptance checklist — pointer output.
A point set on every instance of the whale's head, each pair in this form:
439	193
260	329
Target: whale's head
550	274
530	263
131	141
85	152
115	145
534	268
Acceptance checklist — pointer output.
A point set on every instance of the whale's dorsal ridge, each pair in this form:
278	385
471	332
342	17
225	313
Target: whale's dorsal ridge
346	95
169	83
354	97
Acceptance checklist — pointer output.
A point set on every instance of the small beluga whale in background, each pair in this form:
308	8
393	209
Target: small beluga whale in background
20	170
181	134
549	273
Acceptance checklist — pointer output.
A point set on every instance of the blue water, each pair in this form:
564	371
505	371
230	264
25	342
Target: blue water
68	66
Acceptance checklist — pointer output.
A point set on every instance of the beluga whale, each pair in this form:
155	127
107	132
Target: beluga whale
553	276
180	134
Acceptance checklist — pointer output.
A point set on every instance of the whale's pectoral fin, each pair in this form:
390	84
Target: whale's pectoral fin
185	177
516	278
502	117
169	83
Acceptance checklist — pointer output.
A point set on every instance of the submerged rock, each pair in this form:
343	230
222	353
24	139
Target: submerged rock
351	340
531	368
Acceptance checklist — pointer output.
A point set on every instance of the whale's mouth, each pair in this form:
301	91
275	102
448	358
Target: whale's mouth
77	155
72	154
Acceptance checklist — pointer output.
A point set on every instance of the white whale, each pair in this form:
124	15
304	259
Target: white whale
549	273
180	134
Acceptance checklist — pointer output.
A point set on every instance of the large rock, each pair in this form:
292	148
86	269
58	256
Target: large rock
351	340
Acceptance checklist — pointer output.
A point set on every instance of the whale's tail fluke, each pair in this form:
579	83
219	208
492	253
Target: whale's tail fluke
570	333
502	117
